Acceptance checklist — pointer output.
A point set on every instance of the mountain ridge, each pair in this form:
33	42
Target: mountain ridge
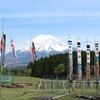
45	45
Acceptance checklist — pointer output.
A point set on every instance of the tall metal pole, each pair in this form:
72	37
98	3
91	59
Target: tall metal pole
88	63
97	64
0	79
68	66
70	62
10	49
94	61
2	25
79	63
1	61
30	52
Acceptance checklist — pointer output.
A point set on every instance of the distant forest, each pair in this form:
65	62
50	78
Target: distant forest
45	66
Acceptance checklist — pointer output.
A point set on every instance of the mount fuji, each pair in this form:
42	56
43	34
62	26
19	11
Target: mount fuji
49	43
45	45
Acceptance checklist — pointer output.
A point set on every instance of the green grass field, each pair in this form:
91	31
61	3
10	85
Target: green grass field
29	92
21	93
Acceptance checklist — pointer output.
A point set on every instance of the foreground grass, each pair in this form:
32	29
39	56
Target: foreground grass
29	92
20	93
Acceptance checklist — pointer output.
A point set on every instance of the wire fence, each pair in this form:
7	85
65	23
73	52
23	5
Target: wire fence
62	85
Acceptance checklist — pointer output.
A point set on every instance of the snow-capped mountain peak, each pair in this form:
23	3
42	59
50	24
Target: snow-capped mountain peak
45	43
48	43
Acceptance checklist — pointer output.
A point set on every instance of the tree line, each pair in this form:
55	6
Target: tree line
46	66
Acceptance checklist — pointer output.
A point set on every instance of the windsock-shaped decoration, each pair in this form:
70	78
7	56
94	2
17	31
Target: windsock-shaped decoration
88	61
33	52
0	45
14	50
70	60
79	60
97	60
3	49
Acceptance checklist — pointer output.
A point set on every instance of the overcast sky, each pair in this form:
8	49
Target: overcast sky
25	18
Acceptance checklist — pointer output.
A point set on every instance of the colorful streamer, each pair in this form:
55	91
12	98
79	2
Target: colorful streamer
97	60
14	50
3	49
33	52
79	60
70	60
88	61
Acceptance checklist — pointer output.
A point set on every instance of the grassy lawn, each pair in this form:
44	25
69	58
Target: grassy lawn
21	93
29	92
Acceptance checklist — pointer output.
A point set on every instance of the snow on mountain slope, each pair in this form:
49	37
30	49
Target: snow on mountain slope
48	43
45	43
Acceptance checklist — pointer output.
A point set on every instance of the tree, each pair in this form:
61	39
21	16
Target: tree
59	69
28	71
18	72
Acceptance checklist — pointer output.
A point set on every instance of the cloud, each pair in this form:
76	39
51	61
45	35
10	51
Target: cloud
52	14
